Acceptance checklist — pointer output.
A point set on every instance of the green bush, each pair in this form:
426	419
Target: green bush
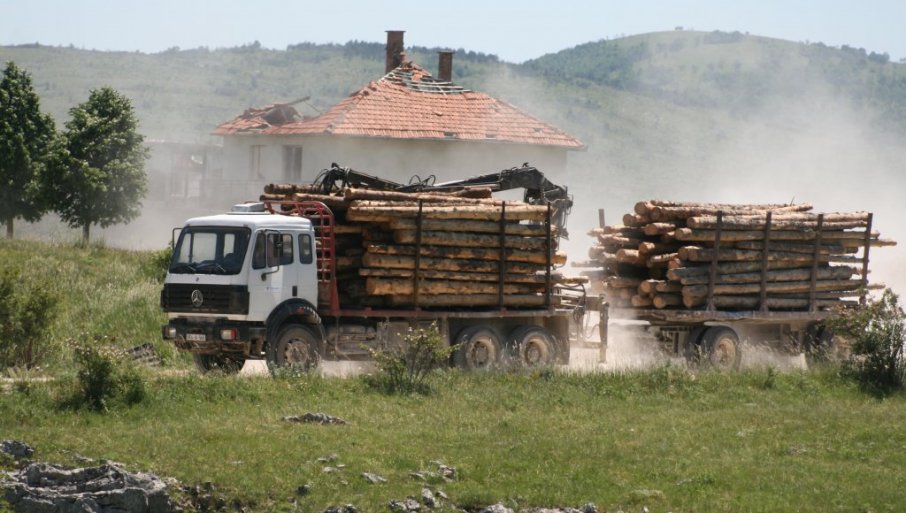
159	262
406	369
876	334
103	377
28	304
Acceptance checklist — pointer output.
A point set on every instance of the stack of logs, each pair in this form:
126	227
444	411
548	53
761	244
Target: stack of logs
673	255
475	250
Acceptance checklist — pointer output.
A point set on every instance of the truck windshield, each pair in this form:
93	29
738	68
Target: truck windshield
210	250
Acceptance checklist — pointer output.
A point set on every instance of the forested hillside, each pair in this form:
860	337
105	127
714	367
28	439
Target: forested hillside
688	115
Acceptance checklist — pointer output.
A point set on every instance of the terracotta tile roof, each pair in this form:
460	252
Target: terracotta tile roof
408	103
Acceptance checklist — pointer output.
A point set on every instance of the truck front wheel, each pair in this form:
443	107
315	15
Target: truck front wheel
477	348
218	362
295	347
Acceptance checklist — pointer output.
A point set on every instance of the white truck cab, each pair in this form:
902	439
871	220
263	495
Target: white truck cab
231	274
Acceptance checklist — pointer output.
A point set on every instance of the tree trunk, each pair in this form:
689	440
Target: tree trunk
433	274
9	227
773	287
782	222
676	213
426	197
391	286
522	230
700	235
511	255
85	232
510	300
753	302
384	212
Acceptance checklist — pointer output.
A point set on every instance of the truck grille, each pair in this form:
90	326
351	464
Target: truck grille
222	299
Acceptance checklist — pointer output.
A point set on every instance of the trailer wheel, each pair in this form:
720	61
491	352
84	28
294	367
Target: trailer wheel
218	362
532	346
722	346
477	348
295	347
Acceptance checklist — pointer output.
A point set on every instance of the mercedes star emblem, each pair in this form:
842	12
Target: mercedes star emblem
197	298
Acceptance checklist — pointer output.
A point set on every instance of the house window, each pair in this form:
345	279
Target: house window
292	163
255	162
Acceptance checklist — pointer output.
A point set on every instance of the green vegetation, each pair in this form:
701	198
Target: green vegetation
98	291
28	305
408	369
666	439
26	139
100	177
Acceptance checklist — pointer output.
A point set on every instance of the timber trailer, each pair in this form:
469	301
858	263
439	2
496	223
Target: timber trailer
260	283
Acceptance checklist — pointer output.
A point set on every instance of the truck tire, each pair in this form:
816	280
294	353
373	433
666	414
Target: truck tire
477	348
532	346
295	347
218	362
722	348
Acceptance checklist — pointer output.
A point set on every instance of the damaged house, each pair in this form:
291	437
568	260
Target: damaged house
406	123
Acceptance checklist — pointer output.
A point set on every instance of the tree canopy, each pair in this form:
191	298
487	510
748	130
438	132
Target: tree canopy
100	176
26	136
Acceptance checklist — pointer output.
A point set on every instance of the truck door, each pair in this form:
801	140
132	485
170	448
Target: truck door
273	272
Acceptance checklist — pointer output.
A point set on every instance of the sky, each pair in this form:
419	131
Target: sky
514	30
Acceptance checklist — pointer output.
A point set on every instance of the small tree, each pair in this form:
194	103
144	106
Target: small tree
100	175
26	137
406	369
877	334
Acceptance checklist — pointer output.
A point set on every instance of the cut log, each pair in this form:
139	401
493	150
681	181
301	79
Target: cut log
697	254
824	273
393	286
641	301
754	302
834	221
772	287
380	261
514	255
635	220
453	300
673	213
652	229
646	287
652	248
524	230
688	234
794	247
334	202
433	274
686	268
630	256
382	211
622	282
668	287
414	197
469	240
661	301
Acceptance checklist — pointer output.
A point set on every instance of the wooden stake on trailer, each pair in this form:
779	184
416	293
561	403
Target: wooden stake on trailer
549	250
418	254
763	302
862	298
501	264
712	275
812	304
601	223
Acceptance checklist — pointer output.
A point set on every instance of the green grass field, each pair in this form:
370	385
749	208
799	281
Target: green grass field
666	439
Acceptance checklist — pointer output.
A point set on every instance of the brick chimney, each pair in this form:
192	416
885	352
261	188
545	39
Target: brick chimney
394	49
445	66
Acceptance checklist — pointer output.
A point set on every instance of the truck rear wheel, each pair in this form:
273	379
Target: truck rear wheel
532	346
722	346
478	348
218	362
295	347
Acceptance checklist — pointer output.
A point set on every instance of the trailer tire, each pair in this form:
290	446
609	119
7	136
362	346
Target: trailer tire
477	348
295	347
722	348
532	346
226	364
692	351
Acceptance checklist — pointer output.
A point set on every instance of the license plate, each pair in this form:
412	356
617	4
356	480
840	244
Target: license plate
195	337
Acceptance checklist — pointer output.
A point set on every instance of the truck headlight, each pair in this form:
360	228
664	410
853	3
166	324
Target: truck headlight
169	332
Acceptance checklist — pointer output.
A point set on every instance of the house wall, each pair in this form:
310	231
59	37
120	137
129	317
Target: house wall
393	159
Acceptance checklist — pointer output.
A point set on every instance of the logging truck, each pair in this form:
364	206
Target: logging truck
274	280
702	278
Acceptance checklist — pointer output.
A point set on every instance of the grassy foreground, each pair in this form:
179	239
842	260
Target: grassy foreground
666	439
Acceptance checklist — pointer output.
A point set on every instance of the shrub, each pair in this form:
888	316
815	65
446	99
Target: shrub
406	369
104	376
158	263
877	333
28	304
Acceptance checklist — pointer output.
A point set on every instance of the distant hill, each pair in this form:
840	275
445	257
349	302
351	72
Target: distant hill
719	116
